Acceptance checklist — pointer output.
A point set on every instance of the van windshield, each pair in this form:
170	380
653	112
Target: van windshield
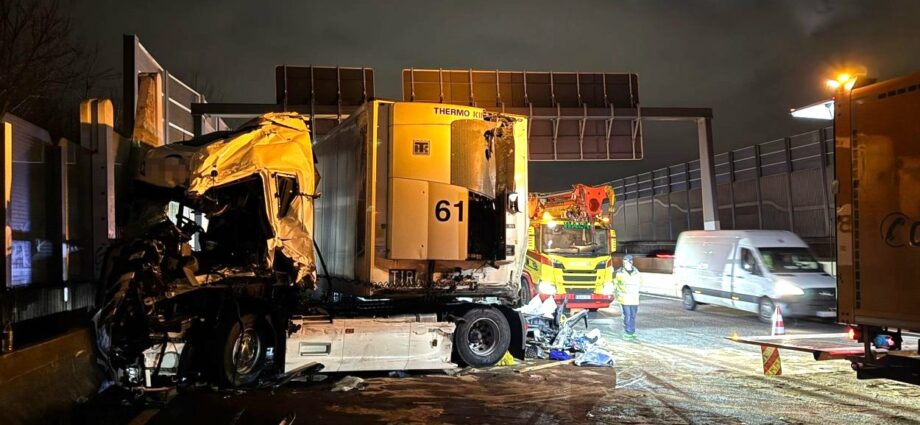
574	238
790	260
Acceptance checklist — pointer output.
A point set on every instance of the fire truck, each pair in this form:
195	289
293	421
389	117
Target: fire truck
570	239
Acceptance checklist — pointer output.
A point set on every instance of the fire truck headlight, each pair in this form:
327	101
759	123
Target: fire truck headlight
607	289
547	288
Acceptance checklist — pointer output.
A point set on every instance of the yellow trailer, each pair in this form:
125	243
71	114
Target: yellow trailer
423	199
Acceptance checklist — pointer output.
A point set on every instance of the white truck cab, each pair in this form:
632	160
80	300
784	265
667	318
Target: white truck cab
753	270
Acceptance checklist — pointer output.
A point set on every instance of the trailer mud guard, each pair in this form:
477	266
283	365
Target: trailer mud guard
516	323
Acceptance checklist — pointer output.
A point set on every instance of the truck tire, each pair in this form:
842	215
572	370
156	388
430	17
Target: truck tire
525	291
482	337
687	299
244	352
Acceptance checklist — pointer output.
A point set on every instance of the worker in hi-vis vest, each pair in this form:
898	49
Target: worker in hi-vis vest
626	290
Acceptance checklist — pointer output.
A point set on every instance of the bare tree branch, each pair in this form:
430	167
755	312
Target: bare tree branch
42	68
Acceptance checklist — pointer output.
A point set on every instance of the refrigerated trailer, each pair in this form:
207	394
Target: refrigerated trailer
395	242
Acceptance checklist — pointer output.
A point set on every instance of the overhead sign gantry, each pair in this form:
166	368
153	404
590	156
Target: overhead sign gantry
573	116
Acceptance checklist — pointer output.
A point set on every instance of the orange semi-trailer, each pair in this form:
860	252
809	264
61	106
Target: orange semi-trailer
877	138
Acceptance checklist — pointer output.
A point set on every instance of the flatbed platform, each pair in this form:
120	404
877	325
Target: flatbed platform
829	346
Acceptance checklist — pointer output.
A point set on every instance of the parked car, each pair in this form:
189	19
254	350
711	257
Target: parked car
753	270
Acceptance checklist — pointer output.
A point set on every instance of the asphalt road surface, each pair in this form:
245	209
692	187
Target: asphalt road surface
681	370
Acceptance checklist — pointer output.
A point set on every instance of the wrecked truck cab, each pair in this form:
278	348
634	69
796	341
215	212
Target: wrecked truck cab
273	149
243	205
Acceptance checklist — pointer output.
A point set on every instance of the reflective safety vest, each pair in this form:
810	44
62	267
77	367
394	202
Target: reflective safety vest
626	286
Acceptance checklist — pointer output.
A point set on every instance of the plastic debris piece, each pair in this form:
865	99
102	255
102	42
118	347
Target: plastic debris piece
532	307
594	335
506	360
548	308
349	383
556	354
595	356
398	374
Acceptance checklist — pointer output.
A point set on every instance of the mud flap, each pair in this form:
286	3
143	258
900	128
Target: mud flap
518	330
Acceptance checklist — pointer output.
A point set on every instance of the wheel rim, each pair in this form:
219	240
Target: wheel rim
688	298
246	351
483	336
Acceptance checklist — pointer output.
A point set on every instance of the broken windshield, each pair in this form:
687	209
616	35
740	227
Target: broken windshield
574	238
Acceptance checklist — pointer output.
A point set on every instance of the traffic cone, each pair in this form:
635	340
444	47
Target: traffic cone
778	327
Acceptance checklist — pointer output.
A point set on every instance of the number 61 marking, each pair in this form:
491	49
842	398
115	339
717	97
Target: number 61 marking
442	210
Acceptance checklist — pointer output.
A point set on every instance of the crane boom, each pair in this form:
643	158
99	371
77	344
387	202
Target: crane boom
582	203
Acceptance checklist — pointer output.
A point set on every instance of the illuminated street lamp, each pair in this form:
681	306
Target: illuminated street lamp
844	79
824	110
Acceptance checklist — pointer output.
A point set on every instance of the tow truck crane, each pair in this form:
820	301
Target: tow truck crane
570	239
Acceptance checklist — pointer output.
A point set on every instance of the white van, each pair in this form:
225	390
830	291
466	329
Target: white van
753	270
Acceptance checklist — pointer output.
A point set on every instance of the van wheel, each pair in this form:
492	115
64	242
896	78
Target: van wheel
765	310
687	299
482	337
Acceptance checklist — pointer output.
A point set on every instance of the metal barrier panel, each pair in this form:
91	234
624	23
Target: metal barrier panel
572	116
167	102
782	184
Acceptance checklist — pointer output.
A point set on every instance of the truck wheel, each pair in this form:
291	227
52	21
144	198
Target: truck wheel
482	337
765	310
687	299
245	350
525	291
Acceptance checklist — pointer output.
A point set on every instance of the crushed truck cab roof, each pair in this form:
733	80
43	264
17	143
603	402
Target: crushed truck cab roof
272	146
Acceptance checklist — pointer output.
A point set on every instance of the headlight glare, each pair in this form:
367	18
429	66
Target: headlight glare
785	287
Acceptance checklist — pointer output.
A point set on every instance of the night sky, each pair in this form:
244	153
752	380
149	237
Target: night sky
748	60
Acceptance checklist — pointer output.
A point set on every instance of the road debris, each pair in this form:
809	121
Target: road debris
349	383
557	354
459	371
507	360
595	356
545	308
543	366
555	338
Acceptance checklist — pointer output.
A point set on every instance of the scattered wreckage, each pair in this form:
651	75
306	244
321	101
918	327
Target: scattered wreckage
551	335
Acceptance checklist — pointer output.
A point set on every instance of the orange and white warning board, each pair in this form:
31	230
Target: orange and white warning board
772	366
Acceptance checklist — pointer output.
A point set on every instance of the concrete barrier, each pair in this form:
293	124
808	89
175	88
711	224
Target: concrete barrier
662	284
42	383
